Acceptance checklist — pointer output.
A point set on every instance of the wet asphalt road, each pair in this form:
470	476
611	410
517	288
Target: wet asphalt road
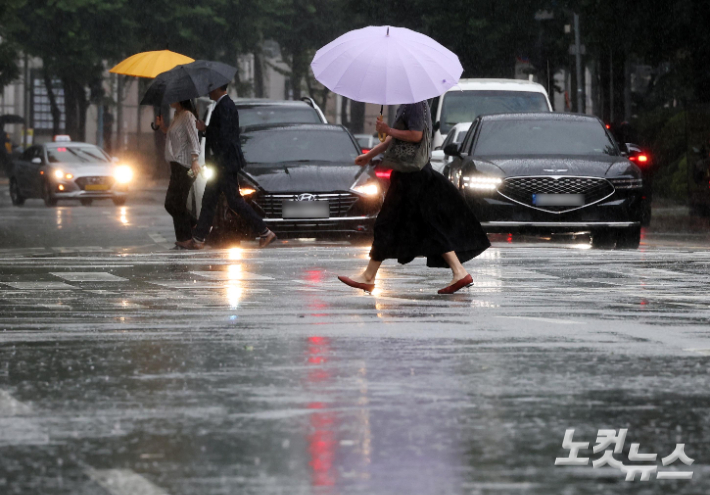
129	369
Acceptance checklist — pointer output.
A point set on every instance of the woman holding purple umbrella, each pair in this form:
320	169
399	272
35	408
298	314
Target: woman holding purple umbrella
423	214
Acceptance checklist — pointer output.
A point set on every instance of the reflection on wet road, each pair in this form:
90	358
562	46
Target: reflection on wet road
126	368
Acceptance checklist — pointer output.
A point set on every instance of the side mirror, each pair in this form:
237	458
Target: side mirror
452	149
37	161
115	159
436	126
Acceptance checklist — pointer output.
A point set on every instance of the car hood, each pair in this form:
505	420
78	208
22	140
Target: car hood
303	177
85	170
592	166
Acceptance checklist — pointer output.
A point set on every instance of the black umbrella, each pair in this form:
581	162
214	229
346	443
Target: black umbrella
10	119
188	81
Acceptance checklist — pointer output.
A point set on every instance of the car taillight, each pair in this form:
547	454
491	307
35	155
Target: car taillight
641	159
365	150
384	173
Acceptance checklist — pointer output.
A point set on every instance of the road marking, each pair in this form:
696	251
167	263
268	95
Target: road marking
201	284
40	285
123	482
9	406
157	238
545	320
15	428
703	351
89	277
230	275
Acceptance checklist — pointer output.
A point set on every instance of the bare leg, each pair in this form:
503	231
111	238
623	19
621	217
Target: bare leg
368	276
457	269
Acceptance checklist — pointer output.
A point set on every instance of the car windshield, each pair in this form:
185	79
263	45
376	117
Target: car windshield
544	137
262	114
76	154
295	145
465	106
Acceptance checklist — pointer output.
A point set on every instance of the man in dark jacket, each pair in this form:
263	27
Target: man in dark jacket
223	140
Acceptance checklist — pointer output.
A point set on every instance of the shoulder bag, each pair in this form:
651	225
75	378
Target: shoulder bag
404	156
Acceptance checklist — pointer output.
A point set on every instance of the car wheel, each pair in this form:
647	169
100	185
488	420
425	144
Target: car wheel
628	238
603	239
86	202
119	201
49	200
15	195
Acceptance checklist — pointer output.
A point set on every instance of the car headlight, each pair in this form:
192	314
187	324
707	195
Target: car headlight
58	174
123	174
208	172
370	189
246	191
482	183
623	183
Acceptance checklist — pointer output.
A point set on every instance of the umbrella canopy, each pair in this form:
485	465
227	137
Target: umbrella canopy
10	119
150	64
185	82
386	65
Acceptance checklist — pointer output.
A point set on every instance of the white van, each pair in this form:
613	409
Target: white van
473	97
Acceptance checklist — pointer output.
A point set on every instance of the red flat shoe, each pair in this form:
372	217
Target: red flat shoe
357	285
467	281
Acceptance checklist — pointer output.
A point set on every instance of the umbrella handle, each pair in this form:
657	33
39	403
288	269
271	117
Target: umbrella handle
380	135
152	124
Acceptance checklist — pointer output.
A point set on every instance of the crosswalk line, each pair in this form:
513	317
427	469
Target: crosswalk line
123	482
39	285
89	277
15	427
229	275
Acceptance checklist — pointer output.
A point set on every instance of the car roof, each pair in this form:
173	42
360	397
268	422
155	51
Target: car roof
290	127
263	102
484	84
66	144
559	116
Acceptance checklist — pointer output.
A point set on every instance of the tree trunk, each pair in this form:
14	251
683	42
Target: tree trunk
299	66
357	117
258	73
75	105
56	113
344	120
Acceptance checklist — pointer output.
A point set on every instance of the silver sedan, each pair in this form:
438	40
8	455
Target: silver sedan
68	170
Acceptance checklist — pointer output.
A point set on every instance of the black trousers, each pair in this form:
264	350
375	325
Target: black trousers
226	182
176	201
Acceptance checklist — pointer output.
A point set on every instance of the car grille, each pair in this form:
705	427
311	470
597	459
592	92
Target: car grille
340	203
101	180
521	190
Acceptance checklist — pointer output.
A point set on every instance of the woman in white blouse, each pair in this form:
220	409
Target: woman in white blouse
182	151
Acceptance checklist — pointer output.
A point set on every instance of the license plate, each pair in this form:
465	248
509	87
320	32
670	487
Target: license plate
558	199
96	187
305	209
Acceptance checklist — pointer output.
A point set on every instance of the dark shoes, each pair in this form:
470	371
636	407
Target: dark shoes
357	285
467	281
266	239
190	244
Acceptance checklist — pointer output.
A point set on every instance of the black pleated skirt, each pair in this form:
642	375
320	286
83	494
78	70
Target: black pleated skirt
425	215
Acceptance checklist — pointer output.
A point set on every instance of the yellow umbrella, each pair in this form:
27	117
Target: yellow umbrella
150	64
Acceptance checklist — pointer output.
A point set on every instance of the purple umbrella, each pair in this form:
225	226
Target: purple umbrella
386	65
